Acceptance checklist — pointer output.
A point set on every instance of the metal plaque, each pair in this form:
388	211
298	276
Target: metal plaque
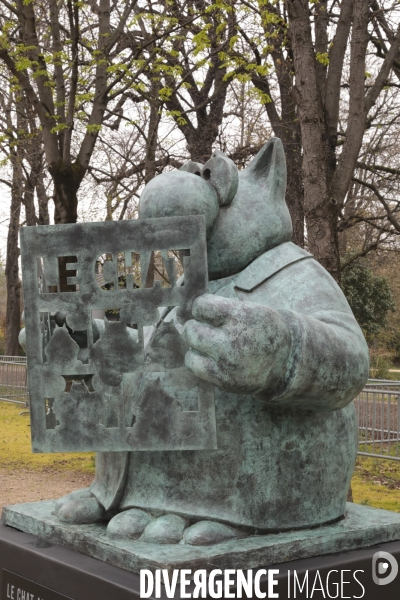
104	311
15	587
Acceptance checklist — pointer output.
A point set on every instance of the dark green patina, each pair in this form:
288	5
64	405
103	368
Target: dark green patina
104	393
363	526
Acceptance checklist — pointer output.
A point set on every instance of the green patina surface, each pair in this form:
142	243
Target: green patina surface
362	527
273	341
89	383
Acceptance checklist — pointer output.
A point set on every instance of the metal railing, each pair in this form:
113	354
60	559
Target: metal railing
13	359
388	384
377	407
13	380
378	413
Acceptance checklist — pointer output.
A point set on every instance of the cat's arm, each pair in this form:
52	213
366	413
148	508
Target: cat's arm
306	350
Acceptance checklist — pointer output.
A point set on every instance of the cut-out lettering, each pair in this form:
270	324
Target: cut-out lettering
163	267
57	274
51	421
104	344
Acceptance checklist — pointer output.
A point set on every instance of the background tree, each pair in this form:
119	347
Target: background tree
318	66
20	146
121	92
369	296
73	65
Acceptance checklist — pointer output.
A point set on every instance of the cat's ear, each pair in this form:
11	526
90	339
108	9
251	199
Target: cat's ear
268	167
257	219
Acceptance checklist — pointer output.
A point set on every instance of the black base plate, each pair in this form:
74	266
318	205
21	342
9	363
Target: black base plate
49	572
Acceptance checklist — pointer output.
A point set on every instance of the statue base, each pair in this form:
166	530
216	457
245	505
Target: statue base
362	527
33	568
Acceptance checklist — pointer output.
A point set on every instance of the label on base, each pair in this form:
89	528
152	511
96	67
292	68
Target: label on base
15	587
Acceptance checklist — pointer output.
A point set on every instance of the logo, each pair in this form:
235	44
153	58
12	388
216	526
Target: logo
384	568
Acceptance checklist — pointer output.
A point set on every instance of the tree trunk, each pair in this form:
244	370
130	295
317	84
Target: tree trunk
43	201
151	146
66	179
200	143
13	314
200	140
150	165
209	111
28	201
295	192
322	236
320	212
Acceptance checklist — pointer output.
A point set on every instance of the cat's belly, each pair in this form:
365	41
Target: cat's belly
272	470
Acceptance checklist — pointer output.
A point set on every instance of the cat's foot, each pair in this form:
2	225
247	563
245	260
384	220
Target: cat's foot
128	525
167	529
207	533
79	508
137	524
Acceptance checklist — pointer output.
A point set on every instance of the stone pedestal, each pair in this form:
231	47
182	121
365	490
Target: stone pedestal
52	572
362	527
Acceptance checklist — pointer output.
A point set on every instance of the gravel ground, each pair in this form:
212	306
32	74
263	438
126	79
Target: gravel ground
30	486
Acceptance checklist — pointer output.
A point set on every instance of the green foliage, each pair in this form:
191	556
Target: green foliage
177	115
323	58
93	128
369	296
165	93
263	98
380	366
392	340
58	128
201	41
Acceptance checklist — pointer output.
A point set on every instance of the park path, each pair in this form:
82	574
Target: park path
29	486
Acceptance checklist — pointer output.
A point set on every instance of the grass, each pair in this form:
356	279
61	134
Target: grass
376	482
15	446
